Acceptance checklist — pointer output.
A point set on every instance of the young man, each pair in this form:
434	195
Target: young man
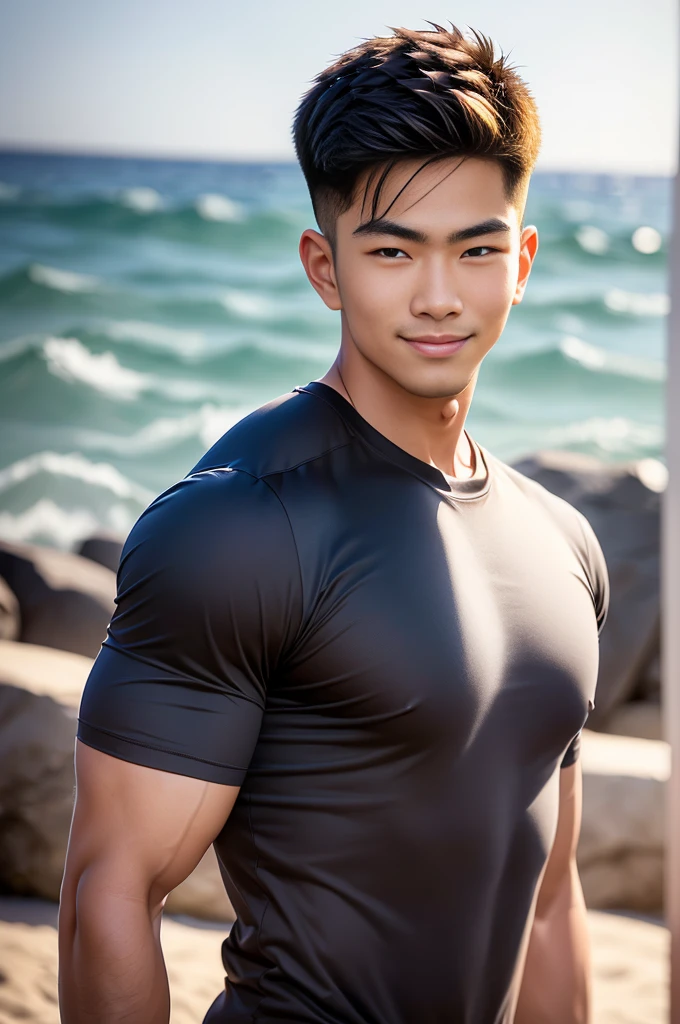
353	648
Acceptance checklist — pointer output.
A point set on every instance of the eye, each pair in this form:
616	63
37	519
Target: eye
389	253
477	248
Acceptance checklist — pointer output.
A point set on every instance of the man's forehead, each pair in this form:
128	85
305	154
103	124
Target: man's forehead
416	197
413	189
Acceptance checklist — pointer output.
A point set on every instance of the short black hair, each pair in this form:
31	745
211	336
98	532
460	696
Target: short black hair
431	94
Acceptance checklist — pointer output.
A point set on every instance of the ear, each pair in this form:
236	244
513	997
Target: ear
317	259
527	252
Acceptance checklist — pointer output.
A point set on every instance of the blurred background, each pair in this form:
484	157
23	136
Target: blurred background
151	295
147	304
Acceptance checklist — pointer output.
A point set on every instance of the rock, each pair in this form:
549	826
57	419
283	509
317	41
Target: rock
66	601
202	894
40	690
10	617
642	718
103	548
621	846
649	686
622	503
630	960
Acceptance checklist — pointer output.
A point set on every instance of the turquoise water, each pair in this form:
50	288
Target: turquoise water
145	306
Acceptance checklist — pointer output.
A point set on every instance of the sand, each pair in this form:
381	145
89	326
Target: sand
630	965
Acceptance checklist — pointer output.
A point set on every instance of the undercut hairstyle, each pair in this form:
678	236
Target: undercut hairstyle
432	94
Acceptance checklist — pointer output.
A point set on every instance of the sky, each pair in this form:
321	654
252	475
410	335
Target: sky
213	79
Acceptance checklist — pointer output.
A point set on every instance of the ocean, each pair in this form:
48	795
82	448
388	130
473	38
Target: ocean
147	305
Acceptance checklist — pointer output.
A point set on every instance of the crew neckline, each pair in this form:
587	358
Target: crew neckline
472	488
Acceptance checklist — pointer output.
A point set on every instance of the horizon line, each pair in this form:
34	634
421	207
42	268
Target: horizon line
172	156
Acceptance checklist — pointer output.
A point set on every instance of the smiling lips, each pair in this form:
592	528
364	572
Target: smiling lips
437	344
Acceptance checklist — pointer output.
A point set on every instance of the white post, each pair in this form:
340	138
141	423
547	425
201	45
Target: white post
670	608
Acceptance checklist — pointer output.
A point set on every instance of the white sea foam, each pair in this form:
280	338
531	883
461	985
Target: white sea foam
69	359
637	303
185	343
215	207
47	521
248	305
141	199
62	280
207	424
593	358
646	239
593	240
61	527
75	467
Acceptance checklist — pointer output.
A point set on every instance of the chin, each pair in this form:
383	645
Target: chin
437	385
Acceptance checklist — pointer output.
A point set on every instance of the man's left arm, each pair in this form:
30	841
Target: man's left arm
556	984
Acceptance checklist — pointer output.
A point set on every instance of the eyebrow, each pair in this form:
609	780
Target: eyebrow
390	227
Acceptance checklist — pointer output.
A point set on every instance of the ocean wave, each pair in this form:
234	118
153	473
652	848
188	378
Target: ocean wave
611	306
8	192
76	467
73	362
616	435
573	362
36	284
592	357
47	522
185	343
69	359
214	207
210	217
207	425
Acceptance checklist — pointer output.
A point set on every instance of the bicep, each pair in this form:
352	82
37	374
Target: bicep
561	859
146	829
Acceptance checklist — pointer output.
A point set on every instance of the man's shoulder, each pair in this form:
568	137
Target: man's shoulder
293	429
565	515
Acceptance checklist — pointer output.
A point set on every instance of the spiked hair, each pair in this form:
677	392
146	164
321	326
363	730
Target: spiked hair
431	94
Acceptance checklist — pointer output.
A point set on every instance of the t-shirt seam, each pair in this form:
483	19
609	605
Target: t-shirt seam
276	472
160	750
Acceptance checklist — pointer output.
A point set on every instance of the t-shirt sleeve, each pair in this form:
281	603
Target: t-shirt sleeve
208	604
598	577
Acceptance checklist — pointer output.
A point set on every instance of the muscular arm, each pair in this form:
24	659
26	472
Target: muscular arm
136	833
556	982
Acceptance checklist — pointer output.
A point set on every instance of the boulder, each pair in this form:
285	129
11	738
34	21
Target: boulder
621	846
40	690
39	694
649	686
202	894
10	617
622	503
104	548
66	601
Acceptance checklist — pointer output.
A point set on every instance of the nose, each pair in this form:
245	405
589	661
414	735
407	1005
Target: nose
436	294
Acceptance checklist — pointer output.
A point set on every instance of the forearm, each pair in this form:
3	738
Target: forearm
556	984
111	966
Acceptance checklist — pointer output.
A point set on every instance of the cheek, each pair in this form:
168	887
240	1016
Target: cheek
369	294
492	293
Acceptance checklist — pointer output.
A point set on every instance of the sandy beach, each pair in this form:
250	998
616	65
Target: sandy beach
630	965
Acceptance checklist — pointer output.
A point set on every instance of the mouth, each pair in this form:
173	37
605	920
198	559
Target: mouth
437	345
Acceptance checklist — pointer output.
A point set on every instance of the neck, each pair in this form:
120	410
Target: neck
431	429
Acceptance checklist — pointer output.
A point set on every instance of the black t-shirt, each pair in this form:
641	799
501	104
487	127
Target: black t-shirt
393	664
